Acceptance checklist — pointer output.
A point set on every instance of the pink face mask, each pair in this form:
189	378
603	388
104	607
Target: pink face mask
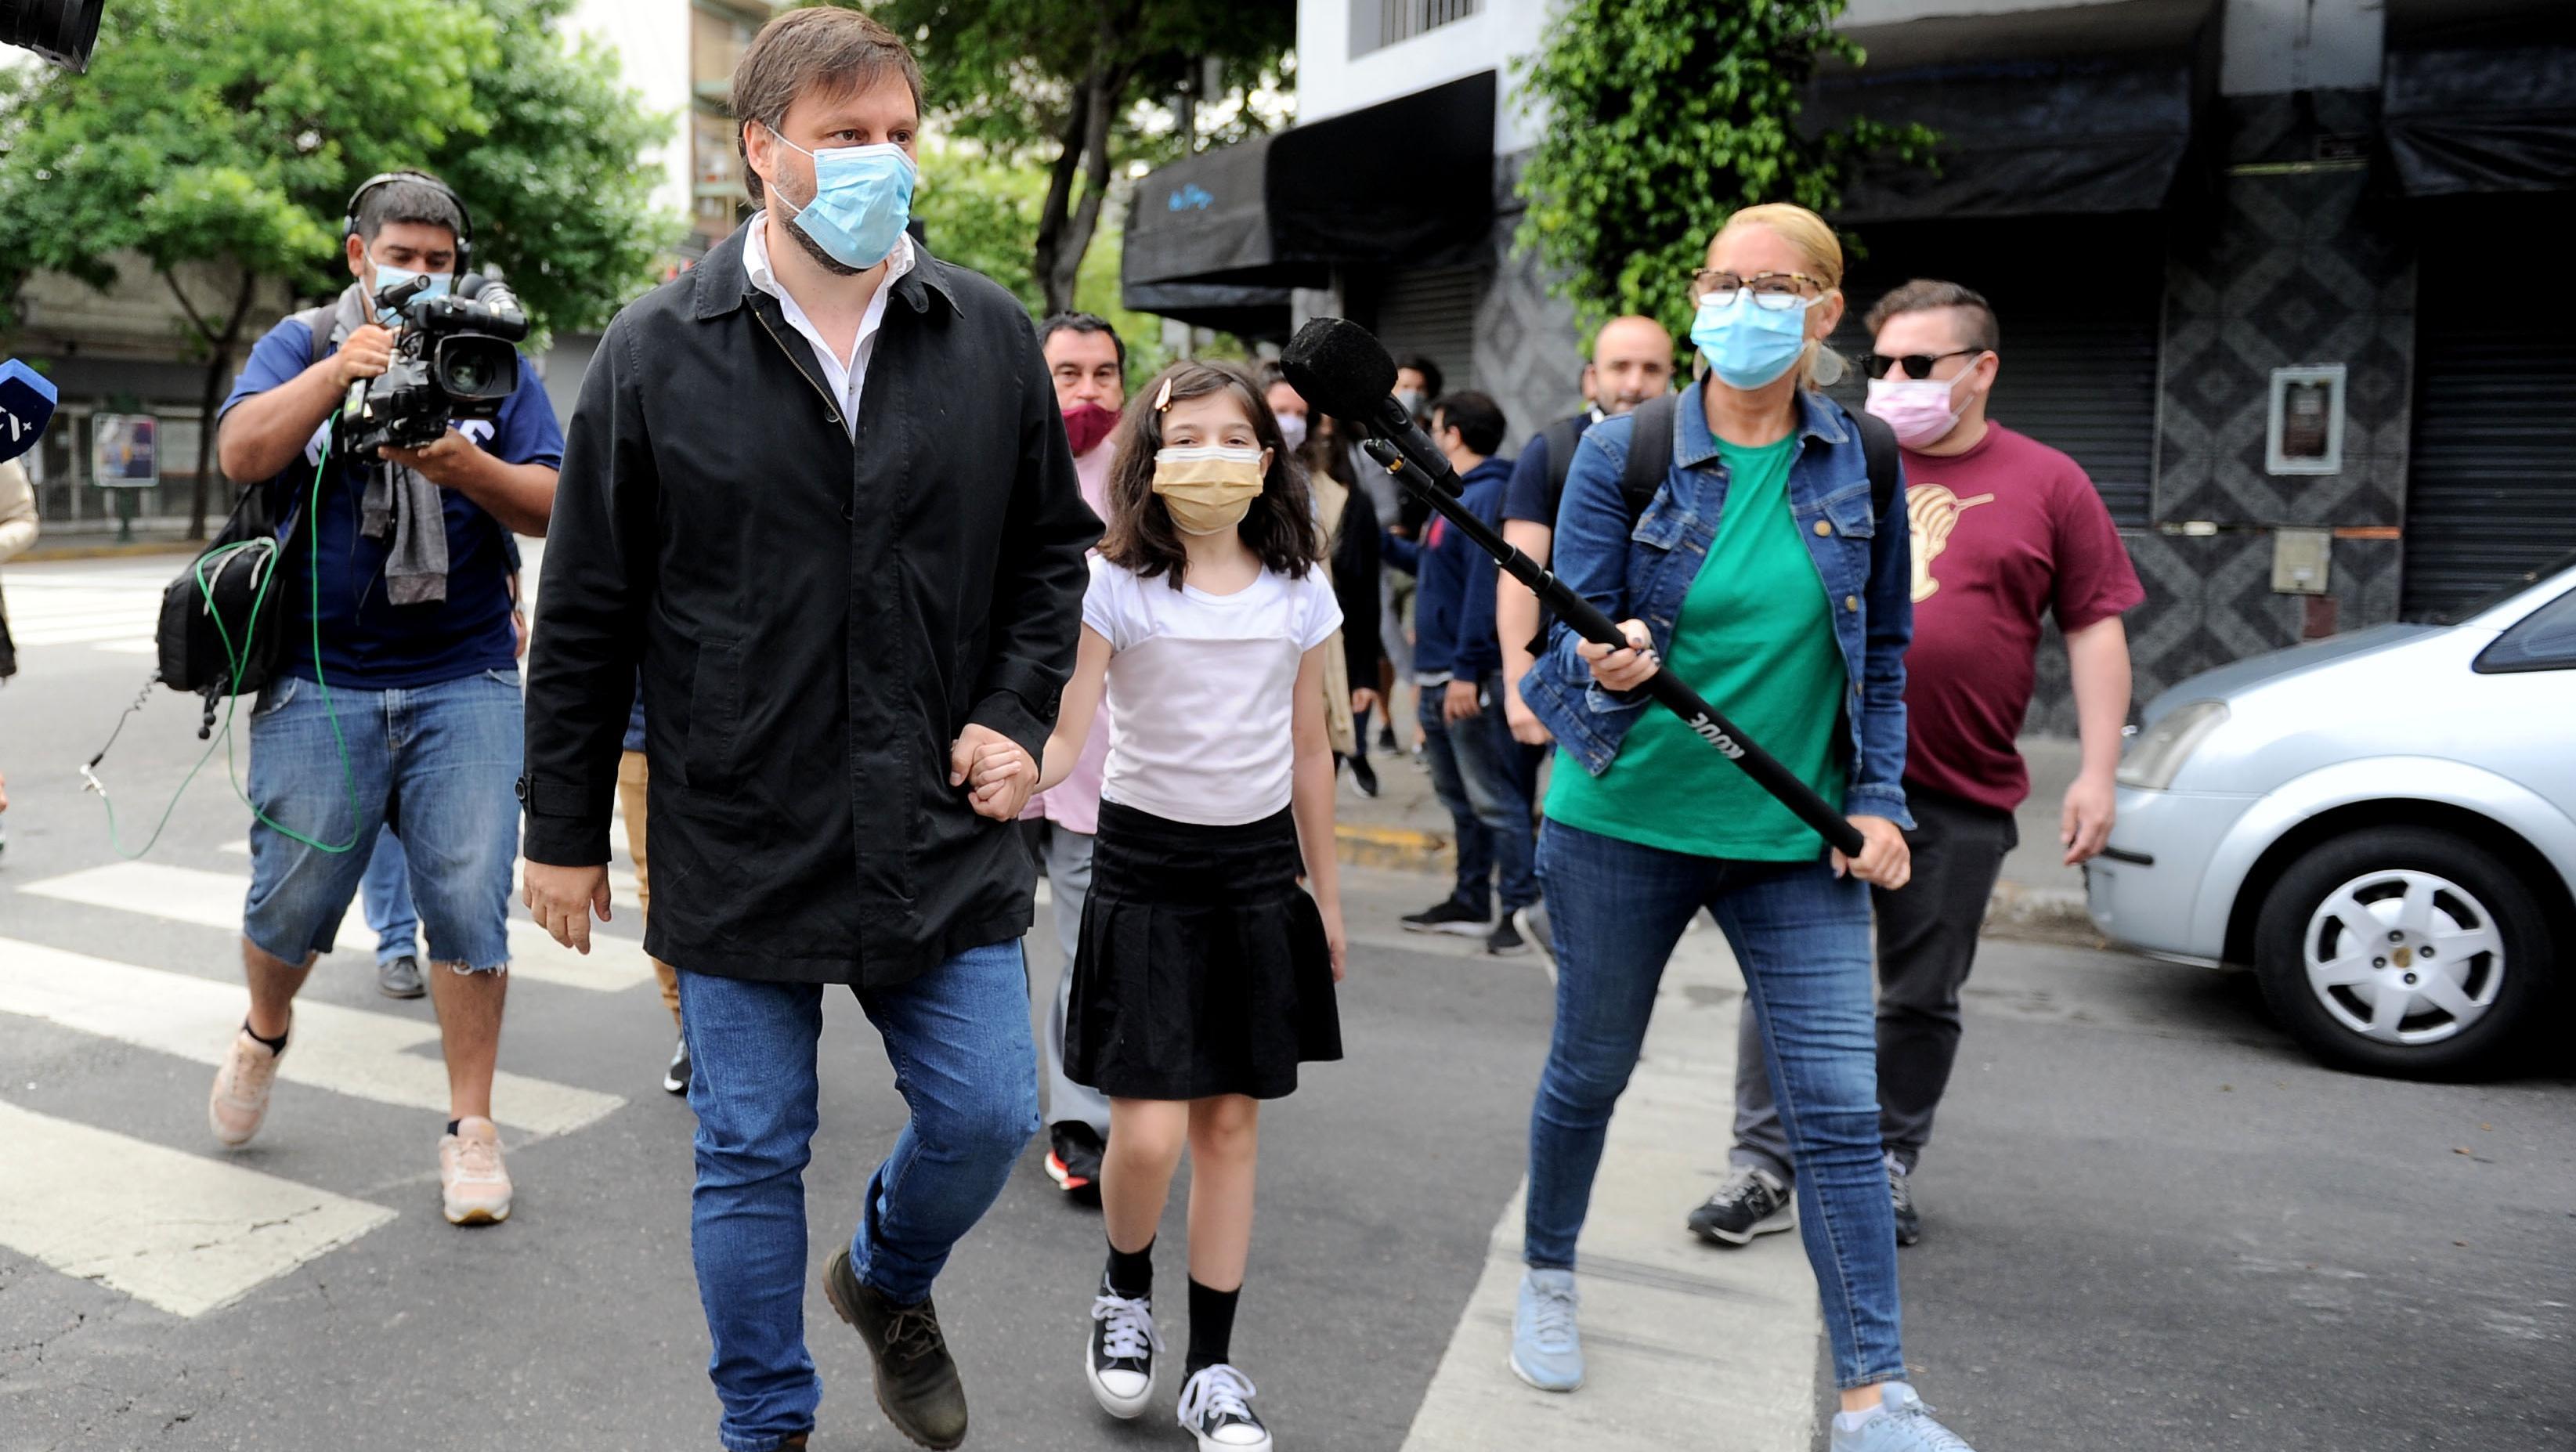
1918	410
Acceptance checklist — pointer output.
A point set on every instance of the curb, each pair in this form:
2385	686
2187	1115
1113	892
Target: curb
42	552
1400	848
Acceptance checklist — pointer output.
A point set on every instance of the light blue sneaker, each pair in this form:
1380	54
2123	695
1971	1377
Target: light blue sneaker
1904	1425
1547	1352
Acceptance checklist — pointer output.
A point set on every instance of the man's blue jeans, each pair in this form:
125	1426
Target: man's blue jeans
958	1037
386	893
1477	776
1803	938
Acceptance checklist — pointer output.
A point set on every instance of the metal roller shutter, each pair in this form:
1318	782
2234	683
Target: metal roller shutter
2492	489
1432	311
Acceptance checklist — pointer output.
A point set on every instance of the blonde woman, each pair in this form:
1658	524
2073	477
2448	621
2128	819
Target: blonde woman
1771	570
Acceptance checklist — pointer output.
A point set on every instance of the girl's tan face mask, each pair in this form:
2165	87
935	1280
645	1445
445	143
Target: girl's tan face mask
1208	489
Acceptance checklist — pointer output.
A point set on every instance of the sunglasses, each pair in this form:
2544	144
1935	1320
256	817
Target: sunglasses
1916	365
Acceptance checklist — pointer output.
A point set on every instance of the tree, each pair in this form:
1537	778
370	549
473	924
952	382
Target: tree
982	213
219	142
1665	116
1074	84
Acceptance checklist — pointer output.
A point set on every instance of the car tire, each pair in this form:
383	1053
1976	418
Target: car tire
2368	874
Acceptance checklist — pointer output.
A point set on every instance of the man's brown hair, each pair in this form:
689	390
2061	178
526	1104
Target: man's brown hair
834	51
1925	294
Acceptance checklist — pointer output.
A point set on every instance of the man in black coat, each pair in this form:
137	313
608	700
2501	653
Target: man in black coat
818	489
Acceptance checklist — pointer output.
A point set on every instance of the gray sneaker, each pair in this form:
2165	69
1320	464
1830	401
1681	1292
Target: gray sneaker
400	978
1903	1424
1752	1203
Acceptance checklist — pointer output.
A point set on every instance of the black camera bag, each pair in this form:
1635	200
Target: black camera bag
219	600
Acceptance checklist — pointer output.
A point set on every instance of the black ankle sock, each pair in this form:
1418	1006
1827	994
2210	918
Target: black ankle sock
1211	1326
1131	1272
276	1045
451	1125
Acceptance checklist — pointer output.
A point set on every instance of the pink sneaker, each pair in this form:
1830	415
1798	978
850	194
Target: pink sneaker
471	1180
242	1082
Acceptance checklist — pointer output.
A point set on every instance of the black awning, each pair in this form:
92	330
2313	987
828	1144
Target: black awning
1408	183
2019	139
2481	120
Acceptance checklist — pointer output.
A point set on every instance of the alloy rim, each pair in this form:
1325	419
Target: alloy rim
2404	957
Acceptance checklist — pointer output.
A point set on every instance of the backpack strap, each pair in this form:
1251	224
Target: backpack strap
1650	454
1561	438
317	321
1878	447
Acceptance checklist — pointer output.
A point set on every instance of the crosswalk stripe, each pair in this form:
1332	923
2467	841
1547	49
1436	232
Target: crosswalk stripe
344	1050
214	900
182	1232
621	880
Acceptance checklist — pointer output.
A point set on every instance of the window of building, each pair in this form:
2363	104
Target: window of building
1376	24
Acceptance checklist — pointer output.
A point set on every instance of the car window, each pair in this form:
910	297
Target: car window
2506	591
2544	640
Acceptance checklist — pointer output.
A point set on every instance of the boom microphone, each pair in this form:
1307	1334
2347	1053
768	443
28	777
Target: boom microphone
1344	371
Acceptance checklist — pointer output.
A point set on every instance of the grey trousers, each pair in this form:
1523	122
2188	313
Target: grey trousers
1927	941
1064	858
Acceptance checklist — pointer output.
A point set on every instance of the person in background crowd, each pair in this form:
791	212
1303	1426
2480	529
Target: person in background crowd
1632	361
1417	386
634	803
1770	570
385	893
1400	517
1475	765
1087	361
18	530
411	688
2005	530
741	527
1351	532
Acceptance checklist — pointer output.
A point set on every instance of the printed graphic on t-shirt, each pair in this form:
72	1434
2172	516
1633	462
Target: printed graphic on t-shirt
1934	512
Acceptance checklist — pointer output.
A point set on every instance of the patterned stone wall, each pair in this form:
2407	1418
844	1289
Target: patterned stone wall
1527	349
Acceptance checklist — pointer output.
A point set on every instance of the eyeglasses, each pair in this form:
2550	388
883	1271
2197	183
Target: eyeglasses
1772	291
1917	365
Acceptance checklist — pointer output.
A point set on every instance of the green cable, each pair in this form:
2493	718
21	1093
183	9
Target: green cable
234	657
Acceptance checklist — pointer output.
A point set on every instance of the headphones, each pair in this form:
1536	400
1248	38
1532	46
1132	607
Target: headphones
464	237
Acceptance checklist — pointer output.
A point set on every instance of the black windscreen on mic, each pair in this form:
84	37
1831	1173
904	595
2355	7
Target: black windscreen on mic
1339	368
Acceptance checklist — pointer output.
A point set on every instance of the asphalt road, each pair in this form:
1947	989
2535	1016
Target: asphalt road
2150	1223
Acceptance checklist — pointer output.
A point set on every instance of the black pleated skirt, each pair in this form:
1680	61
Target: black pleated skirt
1203	967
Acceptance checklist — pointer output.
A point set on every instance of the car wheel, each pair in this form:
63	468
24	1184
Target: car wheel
2403	950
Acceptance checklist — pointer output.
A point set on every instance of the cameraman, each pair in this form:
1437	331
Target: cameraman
400	662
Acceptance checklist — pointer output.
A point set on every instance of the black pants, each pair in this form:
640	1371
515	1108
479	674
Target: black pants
1927	941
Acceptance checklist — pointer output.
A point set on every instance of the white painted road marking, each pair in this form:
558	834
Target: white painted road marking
185	1233
1686	1346
345	1050
214	900
112	611
621	880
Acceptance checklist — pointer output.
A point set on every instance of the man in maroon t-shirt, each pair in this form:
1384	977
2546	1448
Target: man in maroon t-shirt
2006	529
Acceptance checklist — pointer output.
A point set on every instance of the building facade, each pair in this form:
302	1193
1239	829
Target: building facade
2262	267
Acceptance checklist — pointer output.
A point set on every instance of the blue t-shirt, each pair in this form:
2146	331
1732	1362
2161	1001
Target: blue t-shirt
369	643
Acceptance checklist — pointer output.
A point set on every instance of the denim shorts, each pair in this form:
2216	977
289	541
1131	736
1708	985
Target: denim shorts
440	763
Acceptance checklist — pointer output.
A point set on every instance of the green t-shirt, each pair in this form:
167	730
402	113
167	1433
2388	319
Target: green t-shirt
1756	637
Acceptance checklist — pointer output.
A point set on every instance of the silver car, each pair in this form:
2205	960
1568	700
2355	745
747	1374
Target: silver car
2383	825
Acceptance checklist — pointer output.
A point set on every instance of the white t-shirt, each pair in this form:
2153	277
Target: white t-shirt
1202	690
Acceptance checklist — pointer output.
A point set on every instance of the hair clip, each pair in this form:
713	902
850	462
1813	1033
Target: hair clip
1163	399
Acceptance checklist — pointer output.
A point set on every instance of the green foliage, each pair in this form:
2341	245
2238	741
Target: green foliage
1665	116
982	213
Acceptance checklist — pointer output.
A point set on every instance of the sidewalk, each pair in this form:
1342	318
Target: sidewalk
1405	827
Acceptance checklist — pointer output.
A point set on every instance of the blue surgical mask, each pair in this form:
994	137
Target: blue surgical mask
1749	346
390	276
862	199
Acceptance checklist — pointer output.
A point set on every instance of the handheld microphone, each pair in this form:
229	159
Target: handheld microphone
1343	370
27	401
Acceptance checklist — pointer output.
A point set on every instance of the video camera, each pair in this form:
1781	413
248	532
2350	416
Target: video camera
455	357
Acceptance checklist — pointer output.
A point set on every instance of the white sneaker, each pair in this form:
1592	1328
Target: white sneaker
472	1182
240	1098
1216	1408
1120	1361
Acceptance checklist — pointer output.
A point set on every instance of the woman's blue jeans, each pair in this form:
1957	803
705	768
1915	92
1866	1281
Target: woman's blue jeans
1803	938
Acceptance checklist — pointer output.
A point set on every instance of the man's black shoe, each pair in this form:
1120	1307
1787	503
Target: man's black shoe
1505	941
1073	1160
917	1385
1900	1190
1364	776
1449	916
400	978
1752	1202
675	1079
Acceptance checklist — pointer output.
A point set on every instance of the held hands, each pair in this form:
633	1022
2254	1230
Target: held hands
448	461
997	770
366	353
1884	861
2084	825
556	897
1458	702
1622	670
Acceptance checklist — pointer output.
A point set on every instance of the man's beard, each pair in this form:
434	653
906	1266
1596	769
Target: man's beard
813	249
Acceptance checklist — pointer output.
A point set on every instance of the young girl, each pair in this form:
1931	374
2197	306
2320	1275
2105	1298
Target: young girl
1205	975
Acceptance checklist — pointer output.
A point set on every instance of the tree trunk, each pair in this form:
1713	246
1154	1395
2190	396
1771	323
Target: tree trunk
1059	283
219	367
1055	214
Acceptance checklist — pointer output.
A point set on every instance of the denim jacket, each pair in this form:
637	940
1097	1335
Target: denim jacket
1863	565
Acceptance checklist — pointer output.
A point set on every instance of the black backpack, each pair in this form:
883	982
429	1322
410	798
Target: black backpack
1650	457
223	621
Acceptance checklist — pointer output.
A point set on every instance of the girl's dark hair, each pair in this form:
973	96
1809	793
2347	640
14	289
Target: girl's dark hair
1281	525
